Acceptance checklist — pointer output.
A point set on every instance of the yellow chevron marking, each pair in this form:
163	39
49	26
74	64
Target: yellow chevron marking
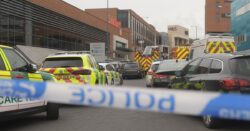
181	52
209	45
226	46
184	55
215	48
233	46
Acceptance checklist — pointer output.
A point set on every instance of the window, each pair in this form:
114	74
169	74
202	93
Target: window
110	68
63	62
216	67
2	65
204	66
192	67
92	59
240	66
90	62
17	63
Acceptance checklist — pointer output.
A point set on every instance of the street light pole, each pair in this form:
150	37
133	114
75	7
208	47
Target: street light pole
107	30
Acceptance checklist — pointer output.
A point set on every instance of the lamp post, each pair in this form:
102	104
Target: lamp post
107	30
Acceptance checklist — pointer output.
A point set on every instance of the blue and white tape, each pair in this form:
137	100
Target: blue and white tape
230	106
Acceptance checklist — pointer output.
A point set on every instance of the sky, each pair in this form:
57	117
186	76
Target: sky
159	13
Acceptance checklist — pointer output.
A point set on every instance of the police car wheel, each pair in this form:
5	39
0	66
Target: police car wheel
210	122
52	111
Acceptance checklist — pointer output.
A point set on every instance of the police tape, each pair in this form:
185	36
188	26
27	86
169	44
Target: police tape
229	106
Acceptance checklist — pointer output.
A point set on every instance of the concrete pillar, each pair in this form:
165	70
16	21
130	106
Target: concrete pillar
28	26
28	32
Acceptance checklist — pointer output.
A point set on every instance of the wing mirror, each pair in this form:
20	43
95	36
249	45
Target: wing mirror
32	68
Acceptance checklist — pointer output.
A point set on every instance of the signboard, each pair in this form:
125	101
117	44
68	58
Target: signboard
97	50
115	22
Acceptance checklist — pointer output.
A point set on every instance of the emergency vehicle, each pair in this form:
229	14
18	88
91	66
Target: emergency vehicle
74	67
16	66
113	77
149	55
213	44
180	52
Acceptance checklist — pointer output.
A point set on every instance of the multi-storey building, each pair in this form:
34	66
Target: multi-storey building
142	33
217	16
58	25
240	17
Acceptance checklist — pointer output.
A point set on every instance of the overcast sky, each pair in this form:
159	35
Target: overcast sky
159	13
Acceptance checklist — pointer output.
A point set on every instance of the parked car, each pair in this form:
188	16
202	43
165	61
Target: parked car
74	67
113	77
166	72
151	72
14	65
217	72
133	69
118	66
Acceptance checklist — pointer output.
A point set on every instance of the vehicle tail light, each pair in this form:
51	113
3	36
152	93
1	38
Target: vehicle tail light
160	76
233	84
82	72
244	83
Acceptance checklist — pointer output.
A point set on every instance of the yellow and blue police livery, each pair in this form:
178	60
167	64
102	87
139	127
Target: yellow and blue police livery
74	67
15	66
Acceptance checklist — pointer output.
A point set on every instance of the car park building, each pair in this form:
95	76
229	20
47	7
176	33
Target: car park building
56	24
240	17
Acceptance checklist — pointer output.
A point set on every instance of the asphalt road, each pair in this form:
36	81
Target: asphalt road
100	119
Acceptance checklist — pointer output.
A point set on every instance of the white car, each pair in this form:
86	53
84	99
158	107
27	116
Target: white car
150	73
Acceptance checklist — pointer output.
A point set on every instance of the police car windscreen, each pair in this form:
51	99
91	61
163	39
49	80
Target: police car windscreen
63	62
147	51
241	66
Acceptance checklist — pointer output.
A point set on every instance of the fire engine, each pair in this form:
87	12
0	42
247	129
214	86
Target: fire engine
151	54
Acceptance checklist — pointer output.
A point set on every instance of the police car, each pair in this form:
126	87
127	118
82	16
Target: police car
16	66
74	67
113	77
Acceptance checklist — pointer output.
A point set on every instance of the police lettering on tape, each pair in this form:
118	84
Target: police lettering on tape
230	106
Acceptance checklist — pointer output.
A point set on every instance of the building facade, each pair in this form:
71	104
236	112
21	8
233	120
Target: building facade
178	36
164	38
142	33
240	17
26	23
217	16
56	25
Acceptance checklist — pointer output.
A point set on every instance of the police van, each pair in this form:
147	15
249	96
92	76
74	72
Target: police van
16	66
213	44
